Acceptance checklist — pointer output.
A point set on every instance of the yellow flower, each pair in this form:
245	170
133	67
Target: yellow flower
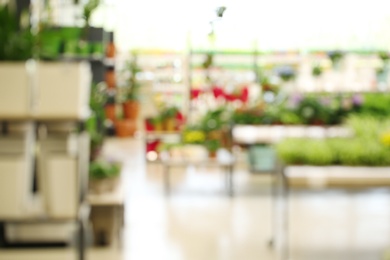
385	139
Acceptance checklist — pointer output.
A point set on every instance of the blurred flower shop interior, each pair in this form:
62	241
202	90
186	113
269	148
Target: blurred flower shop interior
204	130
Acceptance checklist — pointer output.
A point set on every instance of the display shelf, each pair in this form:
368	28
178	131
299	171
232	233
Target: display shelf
269	134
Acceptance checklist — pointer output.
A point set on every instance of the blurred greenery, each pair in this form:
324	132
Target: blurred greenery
365	148
16	40
100	169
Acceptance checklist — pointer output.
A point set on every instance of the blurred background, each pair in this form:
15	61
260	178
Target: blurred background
208	130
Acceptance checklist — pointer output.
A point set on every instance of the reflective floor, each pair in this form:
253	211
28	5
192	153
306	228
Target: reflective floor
199	221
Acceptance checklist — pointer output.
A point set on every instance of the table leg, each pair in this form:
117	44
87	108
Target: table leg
81	242
229	169
167	179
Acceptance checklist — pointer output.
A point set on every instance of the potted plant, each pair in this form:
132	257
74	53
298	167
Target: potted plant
131	104
95	123
110	106
157	123
335	57
212	146
124	127
169	118
103	176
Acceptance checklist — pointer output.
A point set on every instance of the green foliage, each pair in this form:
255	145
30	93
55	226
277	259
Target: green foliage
89	8
103	169
94	124
212	145
132	84
215	119
16	43
365	148
376	104
316	71
305	151
169	112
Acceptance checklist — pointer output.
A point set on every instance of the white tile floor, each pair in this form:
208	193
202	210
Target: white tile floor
200	222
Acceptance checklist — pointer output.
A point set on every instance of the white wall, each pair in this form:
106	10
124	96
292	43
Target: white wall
276	24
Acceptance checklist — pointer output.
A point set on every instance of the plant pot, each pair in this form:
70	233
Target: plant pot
110	78
99	186
158	126
212	154
110	112
125	127
170	124
131	109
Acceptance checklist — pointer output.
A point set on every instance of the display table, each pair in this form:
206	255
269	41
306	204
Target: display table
316	177
269	134
224	159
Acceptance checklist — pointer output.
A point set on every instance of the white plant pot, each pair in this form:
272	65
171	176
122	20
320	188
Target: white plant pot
15	89
63	90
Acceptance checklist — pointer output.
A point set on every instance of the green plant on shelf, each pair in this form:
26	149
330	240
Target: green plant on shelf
131	70
17	43
316	71
212	145
101	169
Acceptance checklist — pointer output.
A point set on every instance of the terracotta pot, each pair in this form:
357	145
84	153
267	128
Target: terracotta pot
110	112
125	127
110	78
131	109
212	154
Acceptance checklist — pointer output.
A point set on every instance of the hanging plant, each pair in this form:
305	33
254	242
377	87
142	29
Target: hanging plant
335	56
286	73
316	70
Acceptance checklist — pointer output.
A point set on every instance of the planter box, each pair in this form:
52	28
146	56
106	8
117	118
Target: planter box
58	176
16	89
334	176
45	90
63	90
16	173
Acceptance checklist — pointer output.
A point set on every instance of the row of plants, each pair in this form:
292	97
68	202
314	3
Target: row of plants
168	119
315	109
19	42
211	131
370	146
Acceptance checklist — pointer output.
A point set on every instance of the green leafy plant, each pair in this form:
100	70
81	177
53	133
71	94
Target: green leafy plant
17	43
169	112
212	145
305	151
335	56
88	10
95	123
364	148
101	169
215	119
132	88
316	70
